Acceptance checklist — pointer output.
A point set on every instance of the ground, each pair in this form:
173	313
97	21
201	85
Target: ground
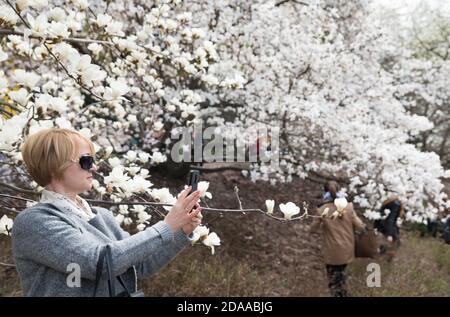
263	257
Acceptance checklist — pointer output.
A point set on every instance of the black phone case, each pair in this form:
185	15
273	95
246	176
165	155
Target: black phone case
194	177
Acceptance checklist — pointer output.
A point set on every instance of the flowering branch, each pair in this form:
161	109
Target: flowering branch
56	39
147	203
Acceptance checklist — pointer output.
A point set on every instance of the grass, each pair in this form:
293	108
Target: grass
200	274
421	268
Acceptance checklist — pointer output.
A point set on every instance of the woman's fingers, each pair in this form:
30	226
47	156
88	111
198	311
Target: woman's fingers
191	200
191	205
184	193
194	213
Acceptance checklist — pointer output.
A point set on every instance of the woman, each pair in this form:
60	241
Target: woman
337	228
391	210
63	232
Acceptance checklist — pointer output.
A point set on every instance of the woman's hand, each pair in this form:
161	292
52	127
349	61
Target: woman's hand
181	213
197	220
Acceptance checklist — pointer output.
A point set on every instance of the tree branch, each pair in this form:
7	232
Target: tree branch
57	39
295	1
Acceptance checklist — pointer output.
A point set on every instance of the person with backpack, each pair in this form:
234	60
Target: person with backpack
337	223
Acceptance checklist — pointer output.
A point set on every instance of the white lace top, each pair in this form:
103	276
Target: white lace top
82	208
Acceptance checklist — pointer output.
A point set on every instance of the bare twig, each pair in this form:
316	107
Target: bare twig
10	210
236	192
147	203
7	264
295	1
20	190
17	198
69	39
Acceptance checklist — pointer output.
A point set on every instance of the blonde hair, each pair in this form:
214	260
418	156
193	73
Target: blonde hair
49	152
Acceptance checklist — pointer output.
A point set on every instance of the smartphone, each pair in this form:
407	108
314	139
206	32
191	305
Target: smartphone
194	177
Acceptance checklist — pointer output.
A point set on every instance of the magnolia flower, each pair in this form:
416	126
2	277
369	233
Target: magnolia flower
210	79
31	203
144	157
103	20
116	89
144	172
108	151
66	52
127	221
131	156
3	55
198	233
58	104
325	212
138	208
26	78
123	209
202	230
372	215
57	14
340	204
3	84
20	96
270	204
95	48
37	4
164	196
63	123
141	227
101	190
139	184
5	224
36	126
8	15
203	187
117	178
115	28
114	162
81	65
82	4
38	26
86	132
211	241
158	125
290	209
92	74
158	158
59	29
143	217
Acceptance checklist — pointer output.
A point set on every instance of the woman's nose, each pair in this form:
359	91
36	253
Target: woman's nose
94	168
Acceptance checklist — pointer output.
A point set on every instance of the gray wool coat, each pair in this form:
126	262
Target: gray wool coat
47	240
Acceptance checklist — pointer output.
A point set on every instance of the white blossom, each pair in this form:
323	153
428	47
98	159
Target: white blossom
289	209
202	187
269	205
211	241
6	225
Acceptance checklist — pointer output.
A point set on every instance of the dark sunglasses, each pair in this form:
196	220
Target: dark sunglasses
86	162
